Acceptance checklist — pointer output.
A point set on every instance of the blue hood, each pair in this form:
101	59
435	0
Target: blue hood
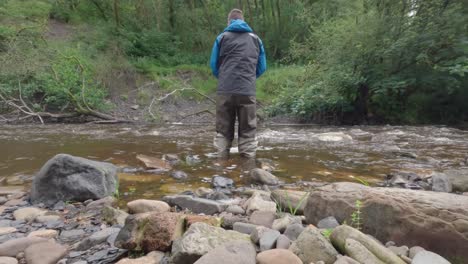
238	25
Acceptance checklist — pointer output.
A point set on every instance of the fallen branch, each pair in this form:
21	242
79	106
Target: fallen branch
197	113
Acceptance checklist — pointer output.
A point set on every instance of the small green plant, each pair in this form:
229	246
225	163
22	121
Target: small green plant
291	208
362	181
356	216
327	232
117	192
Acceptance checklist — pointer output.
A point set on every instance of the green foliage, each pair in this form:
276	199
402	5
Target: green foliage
327	232
291	208
356	216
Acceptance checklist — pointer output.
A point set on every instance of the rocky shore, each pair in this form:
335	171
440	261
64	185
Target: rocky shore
71	215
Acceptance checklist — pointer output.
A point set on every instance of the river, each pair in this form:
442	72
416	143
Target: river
301	153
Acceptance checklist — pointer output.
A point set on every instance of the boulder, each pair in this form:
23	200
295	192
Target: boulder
69	178
8	260
262	218
458	179
231	253
220	182
441	183
27	214
263	177
432	220
343	234
45	253
154	257
12	247
44	233
278	256
414	250
144	206
200	239
244	228
195	205
293	231
268	239
283	242
114	216
207	219
151	231
289	199
427	257
284	221
360	253
328	222
312	246
257	203
7	230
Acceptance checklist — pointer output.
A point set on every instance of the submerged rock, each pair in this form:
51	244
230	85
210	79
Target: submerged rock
458	179
406	217
179	175
69	178
222	182
263	177
154	163
200	239
195	205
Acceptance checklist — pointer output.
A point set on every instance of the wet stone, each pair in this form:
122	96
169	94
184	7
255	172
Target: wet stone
222	182
179	175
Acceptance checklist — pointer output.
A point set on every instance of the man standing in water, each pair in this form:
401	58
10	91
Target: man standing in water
237	60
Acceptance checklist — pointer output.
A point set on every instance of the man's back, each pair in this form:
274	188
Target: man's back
238	59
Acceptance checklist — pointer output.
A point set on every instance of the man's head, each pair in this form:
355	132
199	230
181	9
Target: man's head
235	14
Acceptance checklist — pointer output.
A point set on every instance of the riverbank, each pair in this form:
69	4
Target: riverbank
265	223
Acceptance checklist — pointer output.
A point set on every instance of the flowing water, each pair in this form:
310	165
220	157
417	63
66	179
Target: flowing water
301	153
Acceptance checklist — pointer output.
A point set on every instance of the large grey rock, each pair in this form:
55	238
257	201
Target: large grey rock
231	253
427	257
458	179
151	231
45	253
441	183
12	247
407	217
343	234
200	239
263	177
290	200
312	246
195	205
69	178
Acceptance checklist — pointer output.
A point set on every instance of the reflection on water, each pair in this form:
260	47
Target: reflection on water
301	153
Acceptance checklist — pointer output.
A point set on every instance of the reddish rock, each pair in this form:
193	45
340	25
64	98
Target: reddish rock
278	256
154	163
153	231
